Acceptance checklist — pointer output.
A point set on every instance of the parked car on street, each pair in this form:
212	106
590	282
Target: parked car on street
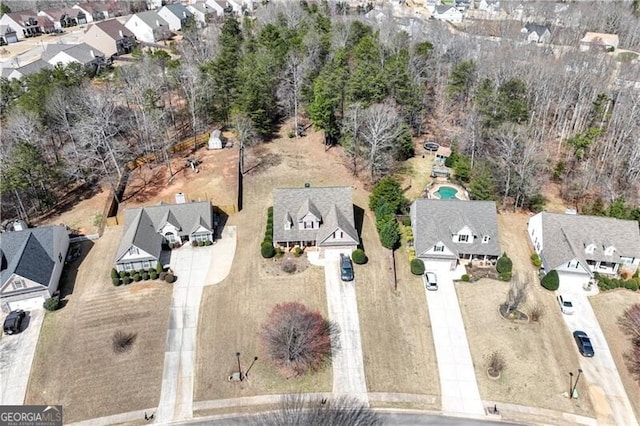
346	268
584	343
565	305
13	322
431	146
430	281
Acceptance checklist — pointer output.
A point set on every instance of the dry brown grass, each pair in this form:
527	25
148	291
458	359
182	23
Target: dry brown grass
75	364
608	306
538	356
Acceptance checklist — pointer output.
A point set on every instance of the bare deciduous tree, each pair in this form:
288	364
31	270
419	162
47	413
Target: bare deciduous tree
298	340
629	321
516	296
380	130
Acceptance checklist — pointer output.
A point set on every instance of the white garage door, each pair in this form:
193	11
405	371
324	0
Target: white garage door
439	264
335	253
32	304
570	281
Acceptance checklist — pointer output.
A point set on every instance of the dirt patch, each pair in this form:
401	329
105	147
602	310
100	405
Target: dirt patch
286	266
608	306
75	364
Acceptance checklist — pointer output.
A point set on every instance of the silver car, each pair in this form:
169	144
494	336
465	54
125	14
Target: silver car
565	305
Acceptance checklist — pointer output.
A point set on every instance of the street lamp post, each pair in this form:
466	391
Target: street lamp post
570	383
576	383
246	374
239	368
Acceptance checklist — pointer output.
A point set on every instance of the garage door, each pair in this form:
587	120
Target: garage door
334	253
31	304
439	264
569	280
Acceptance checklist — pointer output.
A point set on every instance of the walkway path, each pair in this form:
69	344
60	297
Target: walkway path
459	388
348	365
192	267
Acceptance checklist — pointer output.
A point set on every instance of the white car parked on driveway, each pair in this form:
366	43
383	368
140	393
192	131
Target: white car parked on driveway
565	305
430	280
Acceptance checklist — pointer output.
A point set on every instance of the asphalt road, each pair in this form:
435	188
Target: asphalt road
396	419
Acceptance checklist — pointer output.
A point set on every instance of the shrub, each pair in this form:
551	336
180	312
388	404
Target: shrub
200	243
114	273
505	276
123	342
208	242
504	264
194	243
159	268
171	246
153	275
389	232
417	267
51	304
297	251
170	278
465	278
291	134
625	275
162	275
496	364
358	257
116	281
123	274
289	267
145	276
267	250
126	280
137	277
551	281
406	222
536	313
535	259
279	252
631	285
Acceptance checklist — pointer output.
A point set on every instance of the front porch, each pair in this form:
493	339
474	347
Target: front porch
602	267
478	260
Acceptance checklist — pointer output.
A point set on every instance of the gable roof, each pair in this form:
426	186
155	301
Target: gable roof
28	253
179	10
6	29
33	67
565	237
443	8
113	28
82	52
57	14
600	39
332	205
152	19
201	7
141	224
535	28
439	220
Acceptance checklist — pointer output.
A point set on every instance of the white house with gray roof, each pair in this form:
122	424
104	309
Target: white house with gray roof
314	217
577	246
176	16
146	229
31	264
453	230
148	27
59	53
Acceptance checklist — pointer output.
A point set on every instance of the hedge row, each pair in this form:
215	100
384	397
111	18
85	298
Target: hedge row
266	248
606	283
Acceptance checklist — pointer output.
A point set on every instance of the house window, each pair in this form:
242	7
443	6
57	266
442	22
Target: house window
485	239
146	264
463	238
128	266
201	237
134	250
438	248
18	284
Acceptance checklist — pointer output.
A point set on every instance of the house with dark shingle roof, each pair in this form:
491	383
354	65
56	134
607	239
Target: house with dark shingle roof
536	33
452	230
110	37
314	217
149	27
31	264
577	246
59	53
31	68
146	229
27	24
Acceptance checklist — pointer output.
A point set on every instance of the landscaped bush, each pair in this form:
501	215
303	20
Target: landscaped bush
289	267
145	276
194	243
535	259
51	304
279	252
208	242
607	283
267	250
114	274
358	257
137	277
162	275
116	281
123	274
126	280
505	276
551	281
170	278
171	246
406	222
159	268
153	275
504	264
417	267
200	243
465	278
297	251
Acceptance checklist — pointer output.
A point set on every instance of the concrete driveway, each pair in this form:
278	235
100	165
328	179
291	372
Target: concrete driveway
17	352
459	388
193	266
607	392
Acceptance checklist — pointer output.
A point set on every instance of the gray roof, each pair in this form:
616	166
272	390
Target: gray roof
112	27
6	71
81	52
179	10
438	220
28	253
202	7
443	9
535	28
6	29
565	237
150	17
141	225
333	206
34	67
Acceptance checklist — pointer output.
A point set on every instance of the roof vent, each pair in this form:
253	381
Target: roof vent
307	185
181	198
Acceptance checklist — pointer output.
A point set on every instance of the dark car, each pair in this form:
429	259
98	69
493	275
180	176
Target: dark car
346	268
584	343
431	146
13	322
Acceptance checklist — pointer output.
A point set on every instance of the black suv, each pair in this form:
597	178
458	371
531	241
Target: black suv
13	322
346	268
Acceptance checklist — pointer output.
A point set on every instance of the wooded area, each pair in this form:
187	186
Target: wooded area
517	115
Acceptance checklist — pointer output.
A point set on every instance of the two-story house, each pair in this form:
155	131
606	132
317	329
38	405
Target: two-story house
447	13
64	54
314	217
148	27
536	33
110	37
577	246
176	16
452	231
27	24
147	229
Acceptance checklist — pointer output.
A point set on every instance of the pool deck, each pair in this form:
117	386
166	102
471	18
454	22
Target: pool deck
462	194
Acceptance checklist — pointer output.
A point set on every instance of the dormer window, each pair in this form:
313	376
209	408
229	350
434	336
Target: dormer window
463	238
485	239
590	249
608	251
438	248
134	251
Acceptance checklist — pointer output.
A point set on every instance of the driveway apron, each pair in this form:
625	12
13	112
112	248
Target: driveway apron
600	371
459	388
17	352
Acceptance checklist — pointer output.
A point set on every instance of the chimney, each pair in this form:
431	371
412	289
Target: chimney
121	35
93	55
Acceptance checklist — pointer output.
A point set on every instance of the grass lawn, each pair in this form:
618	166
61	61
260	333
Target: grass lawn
75	365
538	355
608	306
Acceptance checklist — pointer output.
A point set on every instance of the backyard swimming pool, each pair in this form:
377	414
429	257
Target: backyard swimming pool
446	193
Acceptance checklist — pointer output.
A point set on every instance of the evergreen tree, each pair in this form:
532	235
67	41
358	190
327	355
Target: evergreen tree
460	81
482	186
